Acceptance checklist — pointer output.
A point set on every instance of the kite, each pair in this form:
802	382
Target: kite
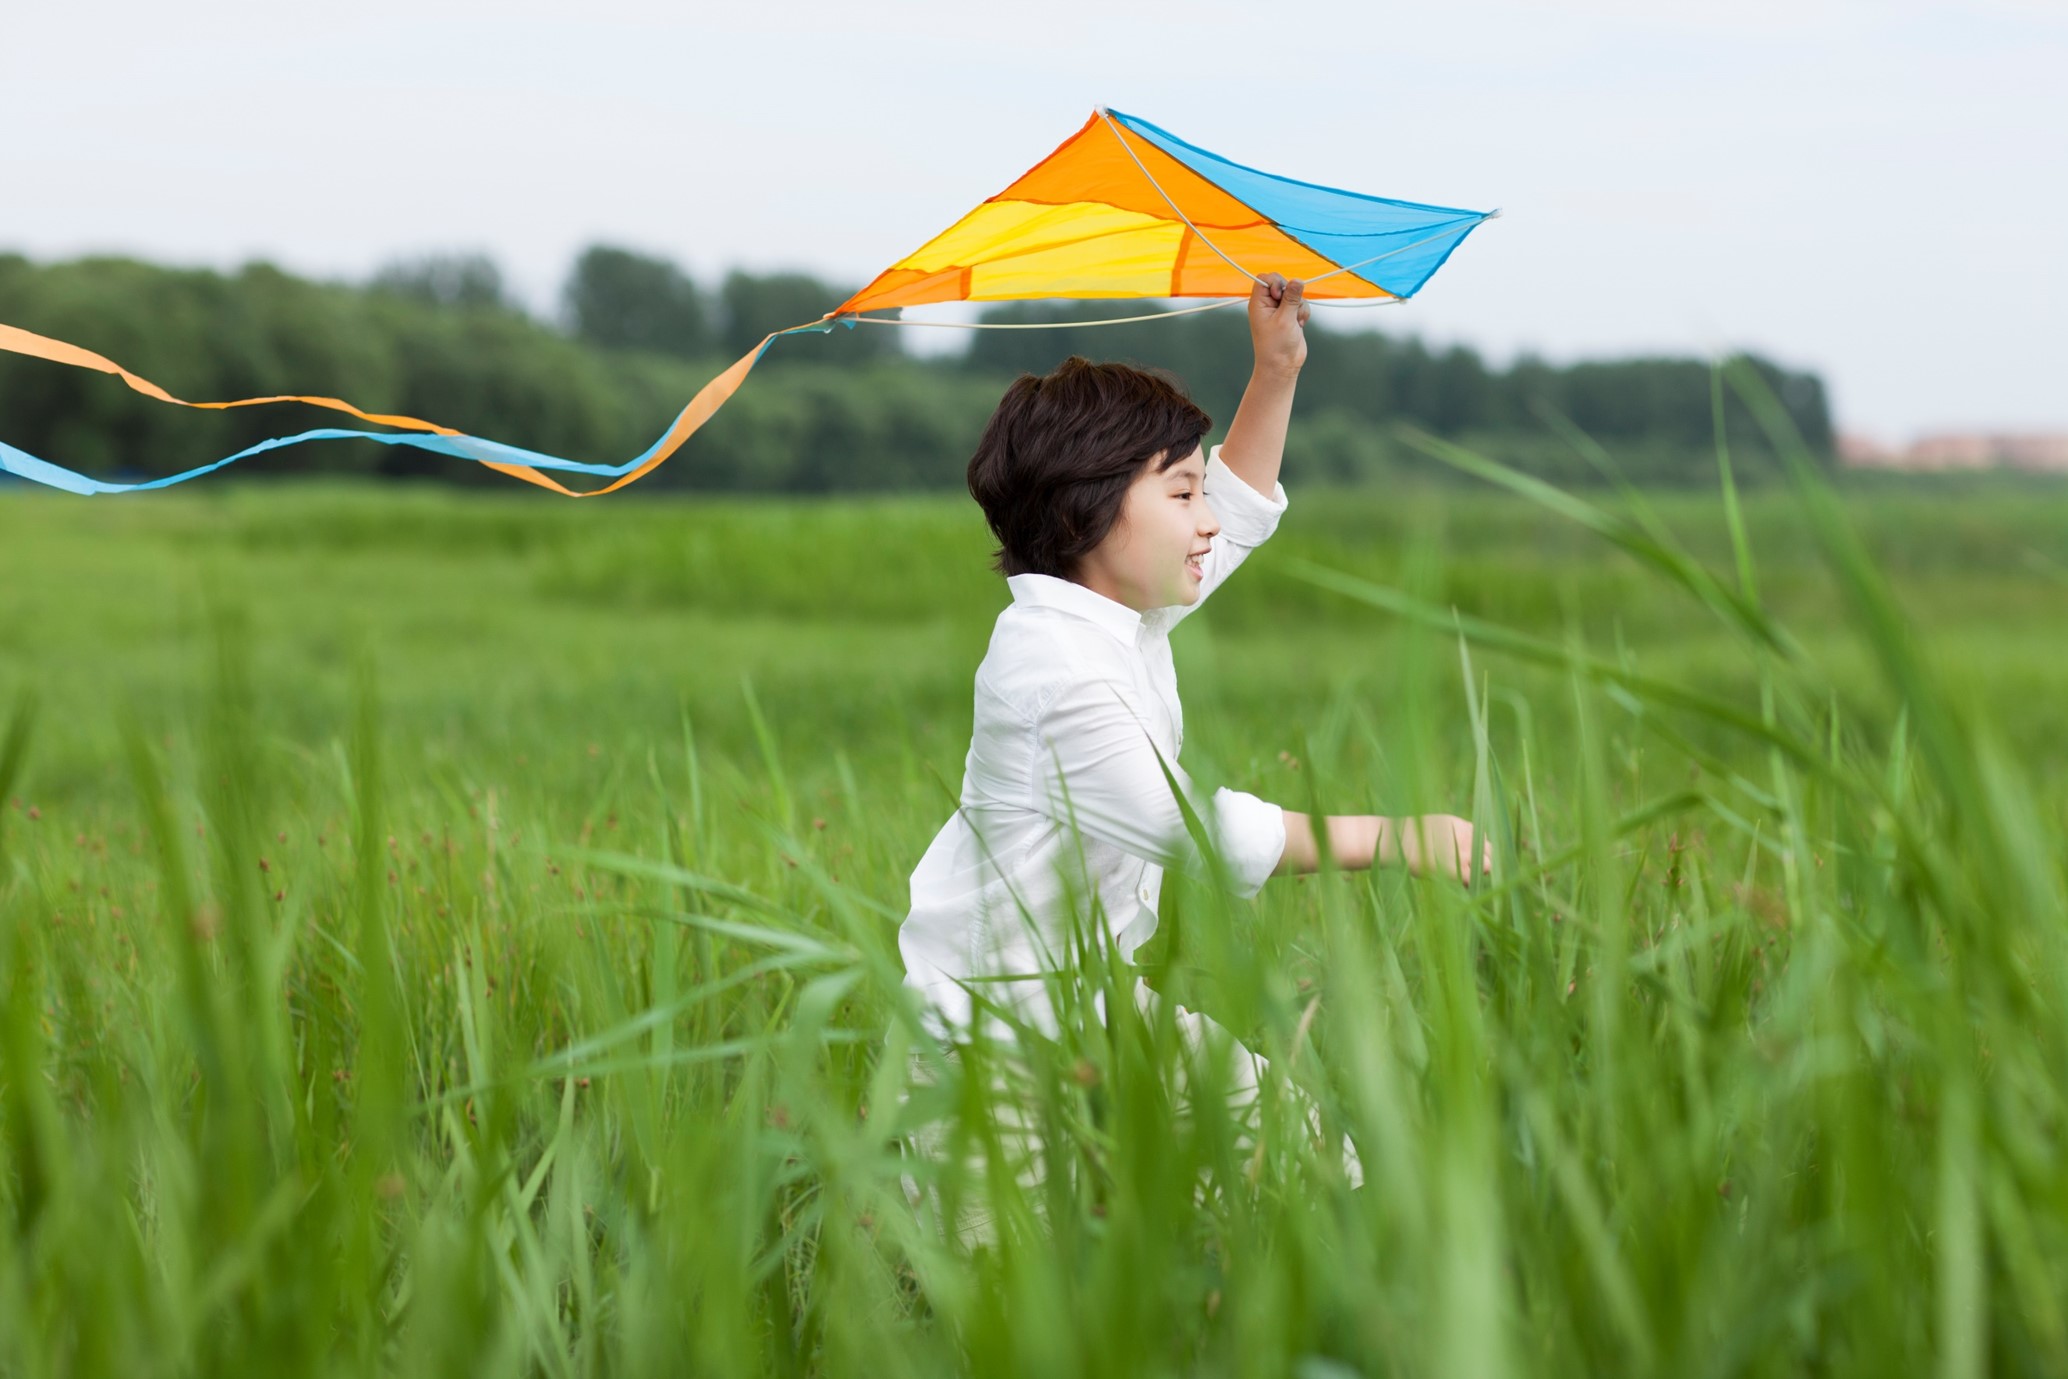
1122	209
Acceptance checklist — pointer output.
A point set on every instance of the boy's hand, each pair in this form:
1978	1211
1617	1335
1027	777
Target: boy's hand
1444	845
1278	313
1255	447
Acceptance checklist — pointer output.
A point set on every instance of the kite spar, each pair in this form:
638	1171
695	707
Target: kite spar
1122	209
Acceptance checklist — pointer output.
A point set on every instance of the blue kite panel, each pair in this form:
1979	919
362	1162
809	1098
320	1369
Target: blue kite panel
1398	245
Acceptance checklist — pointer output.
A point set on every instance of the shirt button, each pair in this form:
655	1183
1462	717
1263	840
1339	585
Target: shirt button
1144	894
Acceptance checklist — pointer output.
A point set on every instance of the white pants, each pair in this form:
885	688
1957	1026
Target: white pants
1018	1133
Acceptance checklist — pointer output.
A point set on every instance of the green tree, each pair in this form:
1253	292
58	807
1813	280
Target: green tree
757	303
445	279
624	300
437	338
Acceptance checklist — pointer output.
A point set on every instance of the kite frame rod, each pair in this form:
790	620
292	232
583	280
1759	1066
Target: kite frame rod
1143	168
1447	230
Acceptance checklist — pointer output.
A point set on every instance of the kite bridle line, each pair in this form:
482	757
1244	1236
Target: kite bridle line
1046	325
1390	299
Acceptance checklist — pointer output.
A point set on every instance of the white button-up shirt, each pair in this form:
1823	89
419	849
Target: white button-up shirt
1077	717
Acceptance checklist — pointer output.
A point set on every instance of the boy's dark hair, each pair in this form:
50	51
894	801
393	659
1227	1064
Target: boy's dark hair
1058	455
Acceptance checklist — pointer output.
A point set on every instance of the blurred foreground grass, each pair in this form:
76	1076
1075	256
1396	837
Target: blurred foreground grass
455	933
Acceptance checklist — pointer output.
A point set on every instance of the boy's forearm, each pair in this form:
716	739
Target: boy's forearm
1356	841
1426	844
1255	447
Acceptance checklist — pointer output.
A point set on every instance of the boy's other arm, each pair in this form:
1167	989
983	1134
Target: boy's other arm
1099	772
1255	446
1429	844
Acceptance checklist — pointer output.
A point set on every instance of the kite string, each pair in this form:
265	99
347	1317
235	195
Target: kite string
1045	325
1390	299
1075	325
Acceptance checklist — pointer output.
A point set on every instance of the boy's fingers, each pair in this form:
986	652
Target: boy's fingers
1295	294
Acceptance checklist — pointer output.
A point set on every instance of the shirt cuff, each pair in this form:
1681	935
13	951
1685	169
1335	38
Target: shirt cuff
1251	835
1247	517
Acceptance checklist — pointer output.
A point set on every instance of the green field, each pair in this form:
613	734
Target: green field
455	932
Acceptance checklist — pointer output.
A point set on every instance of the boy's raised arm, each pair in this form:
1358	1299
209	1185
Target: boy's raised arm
1255	447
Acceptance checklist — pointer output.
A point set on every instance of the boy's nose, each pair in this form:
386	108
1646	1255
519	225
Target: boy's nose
1209	524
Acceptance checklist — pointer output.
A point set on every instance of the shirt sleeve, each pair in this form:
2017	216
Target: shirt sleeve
1100	770
1247	517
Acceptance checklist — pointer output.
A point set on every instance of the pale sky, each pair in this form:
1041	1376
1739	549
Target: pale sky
1877	189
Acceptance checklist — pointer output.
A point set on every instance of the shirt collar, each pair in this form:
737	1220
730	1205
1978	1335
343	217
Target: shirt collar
1046	591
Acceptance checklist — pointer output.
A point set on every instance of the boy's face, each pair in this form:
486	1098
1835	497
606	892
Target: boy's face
1151	558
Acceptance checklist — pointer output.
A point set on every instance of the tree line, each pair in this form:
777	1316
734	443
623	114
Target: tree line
441	337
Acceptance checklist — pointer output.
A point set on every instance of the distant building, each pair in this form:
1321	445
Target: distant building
2032	452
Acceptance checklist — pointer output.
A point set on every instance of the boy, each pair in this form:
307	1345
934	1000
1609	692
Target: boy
1111	527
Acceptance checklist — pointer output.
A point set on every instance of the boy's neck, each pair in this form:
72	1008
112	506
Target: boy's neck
1091	581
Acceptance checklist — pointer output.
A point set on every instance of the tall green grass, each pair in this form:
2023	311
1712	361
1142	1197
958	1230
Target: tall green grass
439	936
